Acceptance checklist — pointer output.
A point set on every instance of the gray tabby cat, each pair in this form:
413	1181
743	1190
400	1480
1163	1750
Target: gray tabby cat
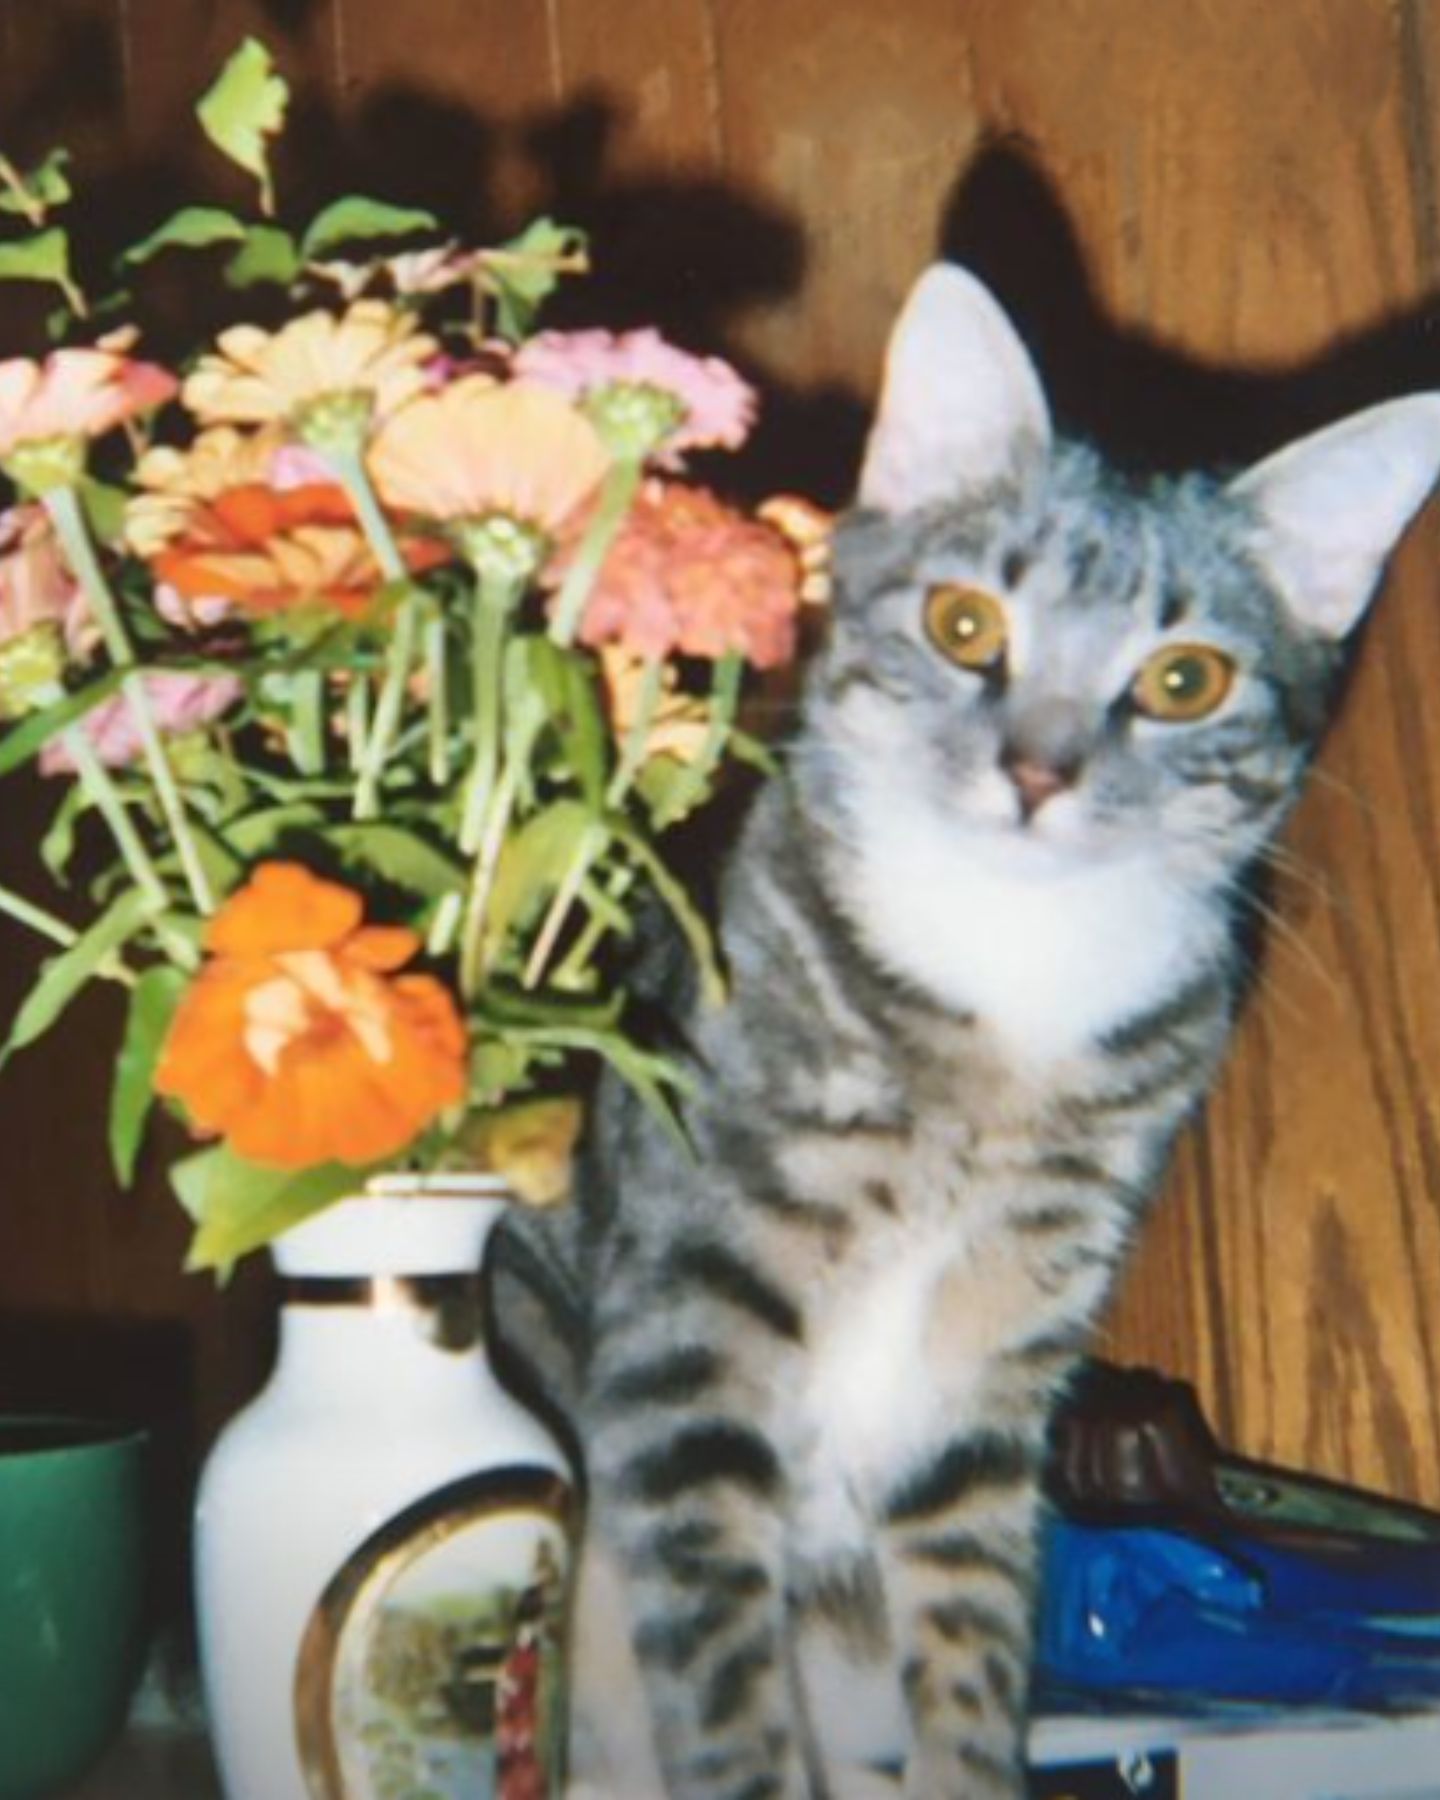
983	945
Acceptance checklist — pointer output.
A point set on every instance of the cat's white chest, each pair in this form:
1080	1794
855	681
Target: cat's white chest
1049	957
868	1405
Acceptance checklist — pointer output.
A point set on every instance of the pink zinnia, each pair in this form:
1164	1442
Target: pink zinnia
689	575
718	407
180	703
36	586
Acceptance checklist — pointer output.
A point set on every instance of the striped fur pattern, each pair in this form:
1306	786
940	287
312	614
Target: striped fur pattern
811	1369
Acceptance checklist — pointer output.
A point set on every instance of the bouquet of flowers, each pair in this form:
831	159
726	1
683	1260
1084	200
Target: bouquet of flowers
373	654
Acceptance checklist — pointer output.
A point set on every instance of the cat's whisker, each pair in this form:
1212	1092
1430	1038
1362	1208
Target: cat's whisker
1319	776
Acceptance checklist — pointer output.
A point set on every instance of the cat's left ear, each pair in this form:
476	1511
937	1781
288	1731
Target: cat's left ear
1329	508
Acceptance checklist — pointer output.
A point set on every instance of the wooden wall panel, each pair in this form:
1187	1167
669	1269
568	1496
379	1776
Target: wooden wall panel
1217	224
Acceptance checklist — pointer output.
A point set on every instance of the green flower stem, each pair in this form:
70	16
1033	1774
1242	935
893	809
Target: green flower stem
724	701
390	706
437	698
25	912
637	738
63	506
495	598
441	934
616	496
591	846
57	931
592	843
349	467
307	728
98	786
357	718
571	973
350	471
487	860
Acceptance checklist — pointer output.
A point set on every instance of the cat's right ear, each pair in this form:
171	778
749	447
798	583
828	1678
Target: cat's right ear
961	408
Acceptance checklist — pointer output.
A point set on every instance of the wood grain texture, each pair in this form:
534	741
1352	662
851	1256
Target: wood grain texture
1217	224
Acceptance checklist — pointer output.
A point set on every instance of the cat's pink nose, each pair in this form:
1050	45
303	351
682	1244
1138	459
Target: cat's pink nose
1036	782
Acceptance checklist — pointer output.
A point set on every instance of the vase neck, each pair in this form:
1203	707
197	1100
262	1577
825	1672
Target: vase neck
386	1341
430	1229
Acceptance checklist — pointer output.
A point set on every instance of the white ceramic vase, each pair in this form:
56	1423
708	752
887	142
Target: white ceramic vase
383	1536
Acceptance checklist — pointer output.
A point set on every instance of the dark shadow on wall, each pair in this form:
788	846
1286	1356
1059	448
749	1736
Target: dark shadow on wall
1146	405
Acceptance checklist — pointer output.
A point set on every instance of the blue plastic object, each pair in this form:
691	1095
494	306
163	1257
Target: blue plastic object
1217	1613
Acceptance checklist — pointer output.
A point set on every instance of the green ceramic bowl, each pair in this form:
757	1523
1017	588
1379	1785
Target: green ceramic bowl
71	1595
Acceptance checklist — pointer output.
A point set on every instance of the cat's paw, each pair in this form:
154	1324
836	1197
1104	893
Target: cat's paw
862	1784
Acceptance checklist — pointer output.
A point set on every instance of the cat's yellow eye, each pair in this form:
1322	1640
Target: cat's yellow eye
1183	682
966	624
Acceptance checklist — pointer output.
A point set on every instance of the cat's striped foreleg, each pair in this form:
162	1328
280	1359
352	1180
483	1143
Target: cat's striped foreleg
958	1539
688	1493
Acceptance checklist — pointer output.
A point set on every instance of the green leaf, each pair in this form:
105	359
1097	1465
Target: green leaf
237	1206
682	908
499	1067
222	867
400	856
29	737
661	784
259	831
651	1074
57	846
44	186
356	219
566	680
523	273
44	256
268	254
192	228
104	508
152	1005
62	977
752	751
532	865
244	109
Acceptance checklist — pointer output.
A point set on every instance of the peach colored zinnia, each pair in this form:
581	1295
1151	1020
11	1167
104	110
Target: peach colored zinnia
78	393
256	376
299	1042
689	574
36	585
477	448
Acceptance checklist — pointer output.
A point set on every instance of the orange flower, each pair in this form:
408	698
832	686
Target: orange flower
221	534
297	1043
268	550
173	483
476	448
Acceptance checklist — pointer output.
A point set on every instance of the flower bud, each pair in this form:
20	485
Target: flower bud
32	669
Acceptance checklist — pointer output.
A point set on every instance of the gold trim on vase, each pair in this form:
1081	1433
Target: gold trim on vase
355	1595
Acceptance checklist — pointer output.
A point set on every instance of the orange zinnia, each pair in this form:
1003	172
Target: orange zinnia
265	550
298	1043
